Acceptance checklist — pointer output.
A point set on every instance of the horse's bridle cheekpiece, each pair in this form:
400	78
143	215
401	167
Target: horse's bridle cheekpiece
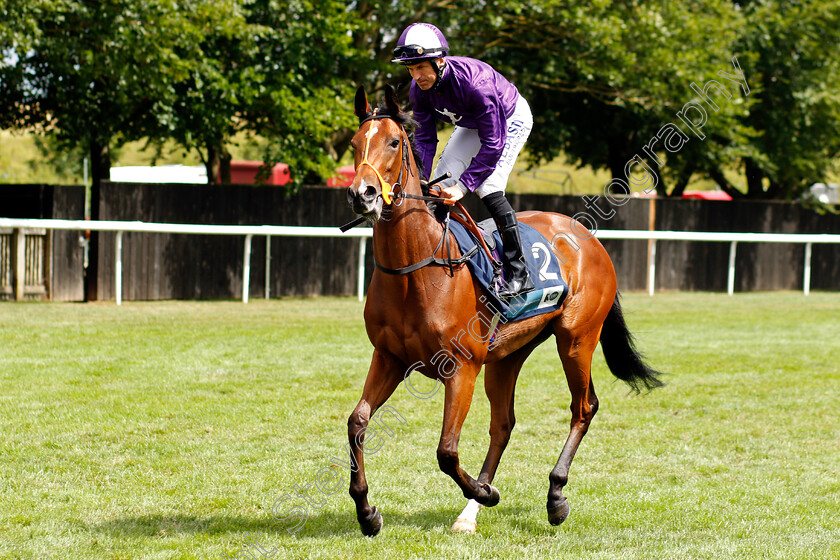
388	190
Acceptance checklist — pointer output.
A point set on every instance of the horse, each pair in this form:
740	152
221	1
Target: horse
410	317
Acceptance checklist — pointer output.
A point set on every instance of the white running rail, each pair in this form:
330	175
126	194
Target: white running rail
364	233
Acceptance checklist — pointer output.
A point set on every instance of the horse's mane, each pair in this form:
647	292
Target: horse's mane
406	120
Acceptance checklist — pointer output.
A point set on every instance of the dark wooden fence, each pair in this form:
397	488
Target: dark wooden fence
54	259
173	266
682	265
170	266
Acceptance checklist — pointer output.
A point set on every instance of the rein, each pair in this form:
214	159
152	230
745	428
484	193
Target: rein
433	260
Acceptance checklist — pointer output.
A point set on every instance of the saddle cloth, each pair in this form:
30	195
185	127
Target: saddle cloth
551	288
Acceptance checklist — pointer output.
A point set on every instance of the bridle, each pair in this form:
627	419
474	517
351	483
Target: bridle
395	194
388	191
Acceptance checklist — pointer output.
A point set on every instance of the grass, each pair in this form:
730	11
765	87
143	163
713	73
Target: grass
168	430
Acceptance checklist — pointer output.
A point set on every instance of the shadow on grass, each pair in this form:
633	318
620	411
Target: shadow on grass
162	525
322	525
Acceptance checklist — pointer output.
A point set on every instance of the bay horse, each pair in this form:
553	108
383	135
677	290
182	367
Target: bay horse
410	317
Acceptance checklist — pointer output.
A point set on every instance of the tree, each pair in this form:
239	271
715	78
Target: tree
300	94
275	69
207	102
99	73
791	56
603	78
18	24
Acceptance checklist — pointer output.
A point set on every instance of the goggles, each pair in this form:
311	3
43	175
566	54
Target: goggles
414	52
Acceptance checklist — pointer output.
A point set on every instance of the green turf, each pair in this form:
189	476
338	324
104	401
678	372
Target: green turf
168	430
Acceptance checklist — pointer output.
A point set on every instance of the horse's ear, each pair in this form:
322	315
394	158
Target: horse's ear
391	101
362	105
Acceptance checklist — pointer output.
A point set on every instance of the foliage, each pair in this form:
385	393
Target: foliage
300	93
19	24
100	72
204	102
602	77
796	69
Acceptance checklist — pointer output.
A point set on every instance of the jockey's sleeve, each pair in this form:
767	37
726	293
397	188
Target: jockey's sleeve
425	135
492	132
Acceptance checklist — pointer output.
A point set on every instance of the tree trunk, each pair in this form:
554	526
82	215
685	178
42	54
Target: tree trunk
100	167
683	178
224	167
217	164
661	189
616	158
754	176
211	165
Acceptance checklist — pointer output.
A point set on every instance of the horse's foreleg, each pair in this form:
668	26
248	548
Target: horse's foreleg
383	378
577	361
459	392
499	384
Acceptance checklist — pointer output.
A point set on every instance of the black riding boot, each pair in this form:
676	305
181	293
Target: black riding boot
516	272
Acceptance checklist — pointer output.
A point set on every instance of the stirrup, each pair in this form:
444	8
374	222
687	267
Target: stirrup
510	290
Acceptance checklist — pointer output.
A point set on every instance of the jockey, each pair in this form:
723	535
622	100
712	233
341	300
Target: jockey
492	122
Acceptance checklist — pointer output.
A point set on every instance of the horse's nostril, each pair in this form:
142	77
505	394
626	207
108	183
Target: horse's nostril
351	195
370	193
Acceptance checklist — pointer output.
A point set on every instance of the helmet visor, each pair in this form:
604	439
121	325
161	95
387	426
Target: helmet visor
413	53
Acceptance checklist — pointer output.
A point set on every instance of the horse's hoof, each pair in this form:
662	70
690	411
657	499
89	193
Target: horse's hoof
493	496
372	524
465	526
558	514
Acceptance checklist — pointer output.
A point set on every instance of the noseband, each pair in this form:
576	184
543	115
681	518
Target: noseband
388	191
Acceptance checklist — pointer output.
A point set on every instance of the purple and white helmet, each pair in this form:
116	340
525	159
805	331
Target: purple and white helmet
419	42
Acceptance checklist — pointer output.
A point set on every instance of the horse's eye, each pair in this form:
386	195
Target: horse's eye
395	143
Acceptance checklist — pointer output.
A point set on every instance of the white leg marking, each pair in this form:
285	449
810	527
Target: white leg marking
466	522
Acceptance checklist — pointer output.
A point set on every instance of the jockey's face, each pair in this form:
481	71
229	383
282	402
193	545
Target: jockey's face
423	73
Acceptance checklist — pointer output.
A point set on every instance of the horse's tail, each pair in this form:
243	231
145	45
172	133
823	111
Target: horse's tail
621	355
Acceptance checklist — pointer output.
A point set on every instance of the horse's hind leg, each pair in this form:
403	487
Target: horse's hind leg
499	384
576	354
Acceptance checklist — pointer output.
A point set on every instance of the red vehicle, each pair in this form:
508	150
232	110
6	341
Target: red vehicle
344	178
245	173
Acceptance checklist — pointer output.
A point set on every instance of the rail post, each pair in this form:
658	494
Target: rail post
730	281
246	269
267	267
19	263
118	267
651	265
806	280
361	275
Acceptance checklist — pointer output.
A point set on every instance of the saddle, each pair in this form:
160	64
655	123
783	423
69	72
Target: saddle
480	247
485	265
